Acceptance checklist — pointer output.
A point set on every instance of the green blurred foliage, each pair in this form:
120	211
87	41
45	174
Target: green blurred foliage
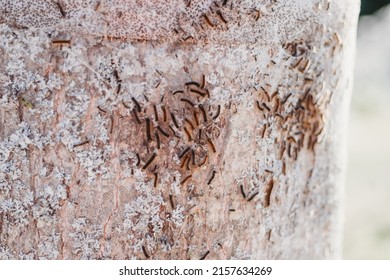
371	6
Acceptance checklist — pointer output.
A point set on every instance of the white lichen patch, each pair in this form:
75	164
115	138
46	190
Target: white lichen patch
85	238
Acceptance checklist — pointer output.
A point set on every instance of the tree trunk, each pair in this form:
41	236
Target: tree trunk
173	129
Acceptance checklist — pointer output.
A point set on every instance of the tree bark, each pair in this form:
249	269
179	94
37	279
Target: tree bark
173	129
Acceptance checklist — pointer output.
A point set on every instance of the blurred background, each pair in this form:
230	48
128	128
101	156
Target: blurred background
370	6
367	212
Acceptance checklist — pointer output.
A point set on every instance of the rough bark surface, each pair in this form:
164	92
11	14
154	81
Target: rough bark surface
173	129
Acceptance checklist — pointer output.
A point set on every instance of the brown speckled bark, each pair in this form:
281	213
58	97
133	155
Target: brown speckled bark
173	129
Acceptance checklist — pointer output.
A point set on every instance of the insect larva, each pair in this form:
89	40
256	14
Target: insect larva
279	116
171	201
218	112
118	89
136	104
148	129
112	124
116	75
101	110
163	132
221	16
155	112
308	79
319	132
178	91
188	163
193	157
157	139
154	168
290	138
232	210
309	142
173	131
61	9
192	83
264	130
242	191
207	92
126	106
266	94
305	66
81	144
164	112
201	107
211	144
198	92
296	152
138	159
252	196
184	161
136	116
196	117
314	142
268	191
185	179
300	144
266	107
145	252
188	134
306	94
208	20
257	14
212	177
259	106
155	179
203	83
286	98
289	150
299	106
268	234
284	168
293	66
174	120
97	6
309	101
268	171
276	108
158	72
200	134
190	123
188	101
187	38
189	209
149	161
282	151
328	6
204	256
203	162
184	152
58	42
146	98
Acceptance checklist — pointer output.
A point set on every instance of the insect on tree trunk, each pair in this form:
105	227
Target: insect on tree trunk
173	129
